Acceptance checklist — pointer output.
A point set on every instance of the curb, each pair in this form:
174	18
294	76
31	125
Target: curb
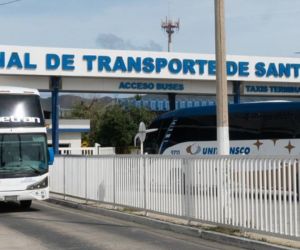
187	230
241	242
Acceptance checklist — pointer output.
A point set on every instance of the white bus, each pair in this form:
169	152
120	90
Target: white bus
265	128
24	156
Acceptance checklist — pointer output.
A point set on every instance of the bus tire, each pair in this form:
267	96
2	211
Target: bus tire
25	204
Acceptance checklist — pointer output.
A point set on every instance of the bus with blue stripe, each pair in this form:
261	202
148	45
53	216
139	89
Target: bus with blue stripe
259	128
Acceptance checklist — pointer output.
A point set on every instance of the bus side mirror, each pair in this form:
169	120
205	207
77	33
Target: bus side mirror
50	156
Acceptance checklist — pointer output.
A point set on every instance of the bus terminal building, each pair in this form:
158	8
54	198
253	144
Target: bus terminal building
112	71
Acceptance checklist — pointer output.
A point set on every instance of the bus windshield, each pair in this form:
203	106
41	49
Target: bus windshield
23	155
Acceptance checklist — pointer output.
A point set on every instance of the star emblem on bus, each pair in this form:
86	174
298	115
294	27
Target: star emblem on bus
290	147
258	144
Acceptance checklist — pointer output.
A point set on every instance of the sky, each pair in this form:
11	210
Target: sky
253	27
256	27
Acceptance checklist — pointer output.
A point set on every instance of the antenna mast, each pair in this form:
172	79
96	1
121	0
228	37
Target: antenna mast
170	26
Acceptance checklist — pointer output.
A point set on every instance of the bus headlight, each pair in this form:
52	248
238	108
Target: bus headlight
41	184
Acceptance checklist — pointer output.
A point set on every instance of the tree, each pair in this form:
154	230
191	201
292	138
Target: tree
92	111
84	110
118	126
138	97
112	125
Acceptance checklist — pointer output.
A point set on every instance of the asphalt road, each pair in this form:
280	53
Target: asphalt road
49	226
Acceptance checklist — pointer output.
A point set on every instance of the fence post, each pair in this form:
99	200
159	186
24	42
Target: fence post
228	205
114	181
222	190
86	180
145	197
298	197
64	176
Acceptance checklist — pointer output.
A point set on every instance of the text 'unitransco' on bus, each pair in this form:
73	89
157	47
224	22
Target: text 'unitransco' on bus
24	156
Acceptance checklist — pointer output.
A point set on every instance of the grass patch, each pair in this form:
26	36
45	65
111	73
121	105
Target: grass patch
129	210
225	230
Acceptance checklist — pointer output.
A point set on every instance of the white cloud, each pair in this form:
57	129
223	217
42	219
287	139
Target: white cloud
112	41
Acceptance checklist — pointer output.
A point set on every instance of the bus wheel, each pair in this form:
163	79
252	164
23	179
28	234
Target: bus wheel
25	204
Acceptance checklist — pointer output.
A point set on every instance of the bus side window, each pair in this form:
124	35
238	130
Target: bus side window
201	128
187	129
154	140
297	124
278	125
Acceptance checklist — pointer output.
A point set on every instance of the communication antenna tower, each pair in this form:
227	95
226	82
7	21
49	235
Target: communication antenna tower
170	26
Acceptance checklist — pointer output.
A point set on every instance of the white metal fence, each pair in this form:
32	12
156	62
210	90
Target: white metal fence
246	192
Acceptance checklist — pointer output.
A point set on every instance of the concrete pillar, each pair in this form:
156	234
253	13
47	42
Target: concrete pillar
221	77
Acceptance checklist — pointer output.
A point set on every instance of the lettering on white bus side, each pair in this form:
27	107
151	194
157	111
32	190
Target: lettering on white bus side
15	119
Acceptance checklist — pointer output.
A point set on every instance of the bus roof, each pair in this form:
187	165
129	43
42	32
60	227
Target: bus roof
233	108
18	90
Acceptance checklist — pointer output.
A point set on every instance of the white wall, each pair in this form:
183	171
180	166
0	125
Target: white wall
73	139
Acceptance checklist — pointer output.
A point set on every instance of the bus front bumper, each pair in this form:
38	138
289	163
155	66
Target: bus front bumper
37	194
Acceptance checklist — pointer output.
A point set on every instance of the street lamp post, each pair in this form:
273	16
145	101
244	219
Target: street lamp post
141	135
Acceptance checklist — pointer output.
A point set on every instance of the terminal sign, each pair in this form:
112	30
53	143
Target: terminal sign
142	65
271	90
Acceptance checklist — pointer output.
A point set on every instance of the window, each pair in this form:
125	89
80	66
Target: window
245	126
265	125
198	128
20	111
154	139
22	155
279	125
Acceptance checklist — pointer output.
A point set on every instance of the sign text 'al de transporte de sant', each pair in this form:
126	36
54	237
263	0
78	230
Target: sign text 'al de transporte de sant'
141	64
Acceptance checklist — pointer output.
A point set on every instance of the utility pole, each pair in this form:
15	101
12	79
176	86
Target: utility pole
221	78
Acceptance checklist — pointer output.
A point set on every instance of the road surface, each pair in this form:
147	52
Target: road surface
50	226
